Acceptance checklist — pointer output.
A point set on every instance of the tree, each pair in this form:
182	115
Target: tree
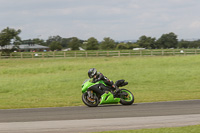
39	41
122	46
75	43
146	42
8	36
53	39
92	44
183	44
65	42
195	44
107	43
167	41
133	45
55	46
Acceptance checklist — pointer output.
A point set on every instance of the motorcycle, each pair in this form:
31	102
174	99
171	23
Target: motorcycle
94	97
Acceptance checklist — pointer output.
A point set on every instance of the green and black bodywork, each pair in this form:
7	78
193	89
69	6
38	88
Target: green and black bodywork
94	97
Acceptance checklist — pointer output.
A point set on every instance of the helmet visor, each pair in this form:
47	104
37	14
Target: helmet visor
93	73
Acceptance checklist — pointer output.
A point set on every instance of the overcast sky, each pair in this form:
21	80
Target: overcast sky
118	19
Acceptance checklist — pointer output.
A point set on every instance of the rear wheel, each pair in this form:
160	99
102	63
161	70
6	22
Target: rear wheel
127	97
89	101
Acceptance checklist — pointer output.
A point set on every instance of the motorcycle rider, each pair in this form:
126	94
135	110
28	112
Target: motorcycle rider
97	76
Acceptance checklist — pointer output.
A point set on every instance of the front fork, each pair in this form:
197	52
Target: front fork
90	94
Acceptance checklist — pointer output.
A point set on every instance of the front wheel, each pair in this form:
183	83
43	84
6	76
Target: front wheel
89	101
127	97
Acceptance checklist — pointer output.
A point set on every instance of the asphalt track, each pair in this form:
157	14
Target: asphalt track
102	118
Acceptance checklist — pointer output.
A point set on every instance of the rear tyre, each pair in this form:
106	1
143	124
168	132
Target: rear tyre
90	102
127	99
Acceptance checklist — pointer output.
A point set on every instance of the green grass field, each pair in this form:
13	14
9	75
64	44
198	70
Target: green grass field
31	83
186	129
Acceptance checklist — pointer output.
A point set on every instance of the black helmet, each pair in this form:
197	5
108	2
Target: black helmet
92	72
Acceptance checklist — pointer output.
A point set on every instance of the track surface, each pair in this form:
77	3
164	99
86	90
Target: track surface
109	117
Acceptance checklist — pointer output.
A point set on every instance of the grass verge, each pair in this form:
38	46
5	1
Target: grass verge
31	83
186	129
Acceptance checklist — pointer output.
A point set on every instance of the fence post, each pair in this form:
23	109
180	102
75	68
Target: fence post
119	53
53	54
64	54
140	52
195	52
21	55
74	54
107	53
97	53
151	53
86	54
162	52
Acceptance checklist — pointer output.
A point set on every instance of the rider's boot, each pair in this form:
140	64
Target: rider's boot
116	90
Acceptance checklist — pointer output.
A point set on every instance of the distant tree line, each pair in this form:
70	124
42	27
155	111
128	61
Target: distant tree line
169	40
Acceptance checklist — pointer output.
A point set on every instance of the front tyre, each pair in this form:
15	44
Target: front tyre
88	101
127	97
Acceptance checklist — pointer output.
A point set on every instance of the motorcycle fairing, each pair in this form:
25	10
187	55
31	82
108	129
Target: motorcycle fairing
108	98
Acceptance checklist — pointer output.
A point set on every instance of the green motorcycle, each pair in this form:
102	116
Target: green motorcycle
93	94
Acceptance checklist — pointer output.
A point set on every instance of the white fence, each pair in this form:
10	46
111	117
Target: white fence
59	54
